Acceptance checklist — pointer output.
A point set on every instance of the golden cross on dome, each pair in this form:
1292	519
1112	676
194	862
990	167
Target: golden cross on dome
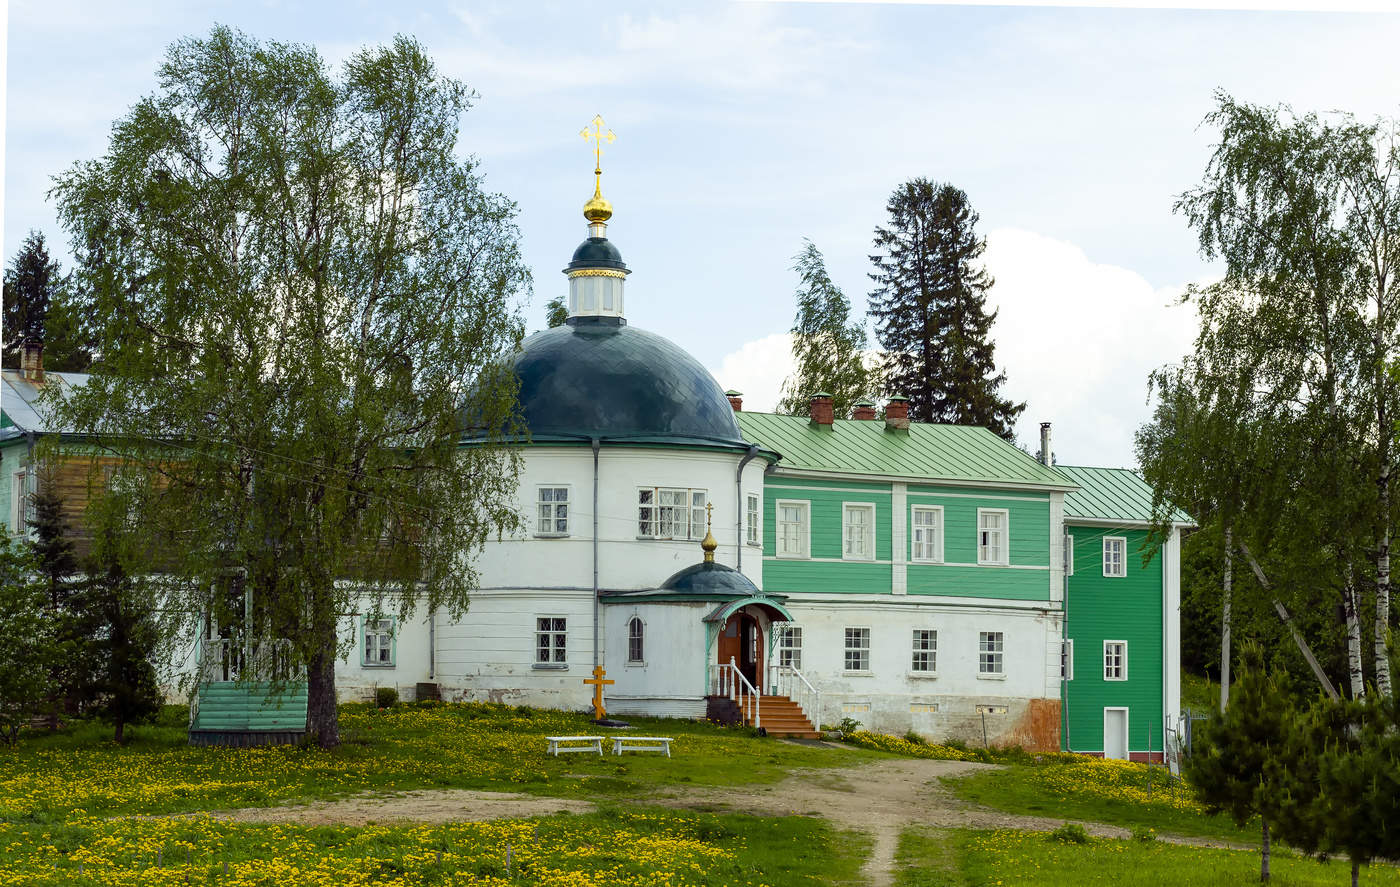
597	136
709	514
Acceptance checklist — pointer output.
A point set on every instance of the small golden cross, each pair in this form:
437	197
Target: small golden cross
597	136
709	513
598	681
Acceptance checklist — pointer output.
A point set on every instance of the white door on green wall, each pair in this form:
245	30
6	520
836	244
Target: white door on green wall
1115	733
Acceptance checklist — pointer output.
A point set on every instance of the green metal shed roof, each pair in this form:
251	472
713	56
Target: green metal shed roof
1117	494
926	452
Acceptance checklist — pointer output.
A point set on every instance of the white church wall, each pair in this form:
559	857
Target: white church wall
626	562
489	654
357	681
670	678
891	697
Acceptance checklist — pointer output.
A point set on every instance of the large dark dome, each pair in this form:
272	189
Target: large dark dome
600	377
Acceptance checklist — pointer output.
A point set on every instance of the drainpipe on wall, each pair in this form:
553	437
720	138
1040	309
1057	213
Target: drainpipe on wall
432	644
739	508
596	443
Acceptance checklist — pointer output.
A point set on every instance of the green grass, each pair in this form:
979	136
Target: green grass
610	847
1032	859
1095	791
49	777
1199	694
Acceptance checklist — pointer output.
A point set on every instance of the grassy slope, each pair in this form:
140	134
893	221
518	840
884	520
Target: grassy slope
470	746
1034	860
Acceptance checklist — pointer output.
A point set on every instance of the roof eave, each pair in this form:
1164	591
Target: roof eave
1001	484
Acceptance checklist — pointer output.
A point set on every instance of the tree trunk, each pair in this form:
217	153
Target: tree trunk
1355	674
1225	621
1264	858
120	732
321	721
1383	583
1355	873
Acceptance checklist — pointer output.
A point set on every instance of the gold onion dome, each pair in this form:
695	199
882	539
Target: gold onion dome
597	209
709	545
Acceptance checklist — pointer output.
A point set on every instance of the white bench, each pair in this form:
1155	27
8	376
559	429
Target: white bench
591	743
642	743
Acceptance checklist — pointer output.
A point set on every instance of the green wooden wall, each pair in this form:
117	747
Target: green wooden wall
1028	577
1103	608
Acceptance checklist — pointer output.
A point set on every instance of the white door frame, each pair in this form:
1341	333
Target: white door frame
1127	752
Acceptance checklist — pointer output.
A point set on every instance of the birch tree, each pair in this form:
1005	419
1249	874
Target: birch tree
302	296
828	349
1303	212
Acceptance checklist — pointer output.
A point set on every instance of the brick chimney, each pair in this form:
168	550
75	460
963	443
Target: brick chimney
822	415
863	410
736	400
31	360
897	414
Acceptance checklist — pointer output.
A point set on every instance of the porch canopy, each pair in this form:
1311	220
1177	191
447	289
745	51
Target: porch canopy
730	589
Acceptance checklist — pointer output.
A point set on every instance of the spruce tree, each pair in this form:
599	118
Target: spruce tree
26	641
39	303
57	565
31	282
1236	763
121	639
930	310
827	348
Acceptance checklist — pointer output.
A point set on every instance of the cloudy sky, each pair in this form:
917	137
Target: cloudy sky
744	128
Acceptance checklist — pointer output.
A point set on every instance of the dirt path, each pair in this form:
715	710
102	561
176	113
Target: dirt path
443	805
880	799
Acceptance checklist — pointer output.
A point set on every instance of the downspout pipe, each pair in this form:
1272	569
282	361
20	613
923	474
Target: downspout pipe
596	444
739	507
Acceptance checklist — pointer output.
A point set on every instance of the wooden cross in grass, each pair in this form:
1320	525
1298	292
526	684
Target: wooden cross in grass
598	681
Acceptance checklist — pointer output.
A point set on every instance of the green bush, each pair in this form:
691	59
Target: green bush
1069	833
386	697
1145	834
913	737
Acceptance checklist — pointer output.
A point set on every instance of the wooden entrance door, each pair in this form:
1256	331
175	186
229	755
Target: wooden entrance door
742	641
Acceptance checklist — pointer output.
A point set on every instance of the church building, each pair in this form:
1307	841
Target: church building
786	571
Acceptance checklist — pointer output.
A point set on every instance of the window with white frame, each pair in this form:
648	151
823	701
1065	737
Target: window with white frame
1069	555
992	536
858	532
1115	660
553	512
990	650
1115	556
636	640
790	646
21	502
1067	659
670	513
925	651
378	646
551	634
928	534
857	649
793	528
753	530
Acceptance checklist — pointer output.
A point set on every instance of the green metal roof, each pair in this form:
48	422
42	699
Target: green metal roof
1115	494
925	452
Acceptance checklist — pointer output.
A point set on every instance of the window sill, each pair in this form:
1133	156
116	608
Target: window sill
924	563
642	664
857	560
793	557
551	535
858	673
376	665
923	675
991	677
1116	680
754	544
994	563
550	666
1115	575
667	539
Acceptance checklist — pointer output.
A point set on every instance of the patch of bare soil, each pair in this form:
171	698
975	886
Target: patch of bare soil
881	799
445	805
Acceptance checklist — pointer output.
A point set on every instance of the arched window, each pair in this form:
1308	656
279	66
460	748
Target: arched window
635	646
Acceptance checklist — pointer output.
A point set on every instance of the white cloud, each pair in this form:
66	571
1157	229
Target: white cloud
758	369
1075	337
1077	340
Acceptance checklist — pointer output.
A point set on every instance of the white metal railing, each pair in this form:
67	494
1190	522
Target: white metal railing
727	680
789	681
269	659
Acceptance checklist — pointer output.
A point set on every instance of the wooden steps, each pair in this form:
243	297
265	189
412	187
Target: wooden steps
783	717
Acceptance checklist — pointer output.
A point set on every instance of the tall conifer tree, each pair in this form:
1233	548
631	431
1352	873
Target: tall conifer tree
827	348
31	282
930	310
